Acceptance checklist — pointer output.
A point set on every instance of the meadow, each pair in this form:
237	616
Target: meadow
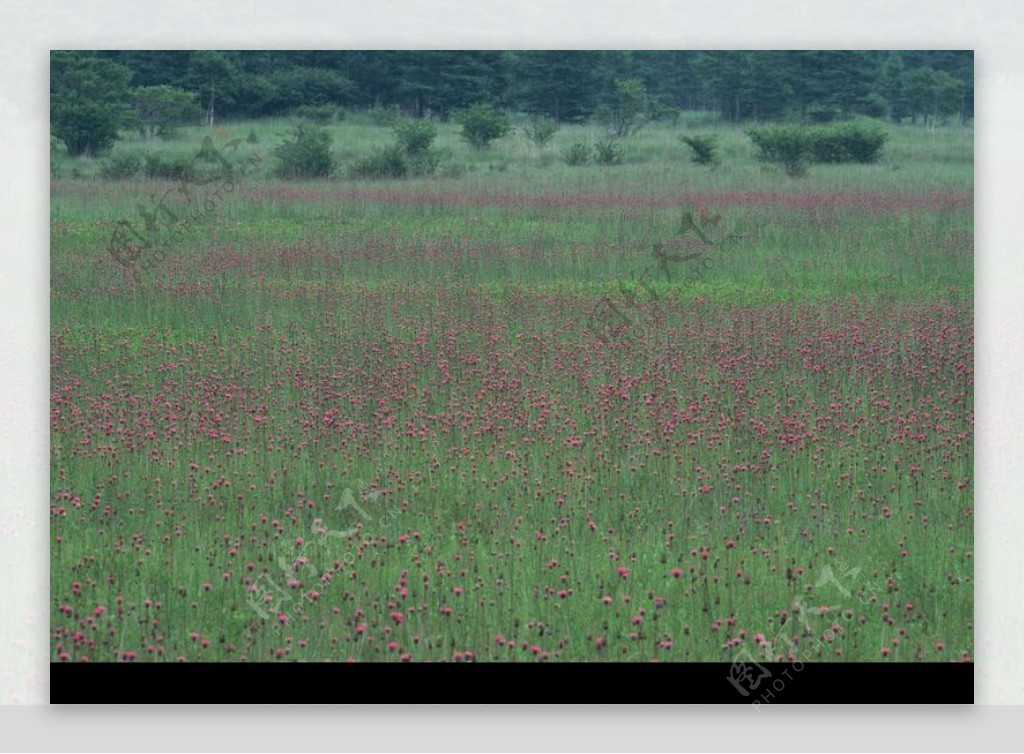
395	421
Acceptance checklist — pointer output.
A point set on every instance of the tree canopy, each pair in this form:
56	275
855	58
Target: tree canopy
565	85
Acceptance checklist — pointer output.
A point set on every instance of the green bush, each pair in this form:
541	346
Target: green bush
607	152
410	155
788	146
317	113
415	136
576	154
848	142
424	163
541	130
305	153
703	148
252	138
482	124
793	146
121	166
176	168
386	162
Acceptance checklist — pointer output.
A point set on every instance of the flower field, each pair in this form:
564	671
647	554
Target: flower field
396	421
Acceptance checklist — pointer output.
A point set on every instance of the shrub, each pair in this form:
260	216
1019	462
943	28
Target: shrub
576	154
121	166
305	153
848	142
607	152
252	138
415	136
411	154
793	146
482	124
541	130
424	163
317	113
703	148
789	146
176	168
386	162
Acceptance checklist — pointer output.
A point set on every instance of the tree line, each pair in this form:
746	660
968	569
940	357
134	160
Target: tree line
152	88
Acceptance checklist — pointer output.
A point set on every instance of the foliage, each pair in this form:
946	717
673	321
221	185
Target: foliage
822	113
89	101
384	116
318	113
847	142
703	148
122	166
415	136
576	154
177	167
410	154
625	113
793	146
384	162
659	112
789	146
158	109
305	153
932	94
608	152
541	130
482	124
307	87
568	85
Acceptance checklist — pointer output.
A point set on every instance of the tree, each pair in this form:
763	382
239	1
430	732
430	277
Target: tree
89	101
216	76
932	93
297	87
626	110
724	77
562	84
159	108
890	85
